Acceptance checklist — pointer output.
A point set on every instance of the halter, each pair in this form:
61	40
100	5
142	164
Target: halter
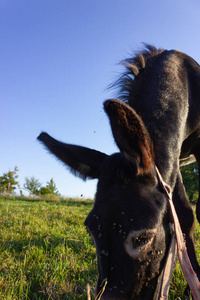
177	246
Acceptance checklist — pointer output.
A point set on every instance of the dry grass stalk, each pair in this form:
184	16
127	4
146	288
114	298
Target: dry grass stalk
88	292
98	297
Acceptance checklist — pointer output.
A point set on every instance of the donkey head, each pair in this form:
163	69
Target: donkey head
128	222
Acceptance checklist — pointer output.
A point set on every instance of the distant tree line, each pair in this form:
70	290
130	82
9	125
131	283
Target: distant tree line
9	183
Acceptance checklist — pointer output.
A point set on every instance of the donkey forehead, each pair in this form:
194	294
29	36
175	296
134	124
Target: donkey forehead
129	197
122	196
129	213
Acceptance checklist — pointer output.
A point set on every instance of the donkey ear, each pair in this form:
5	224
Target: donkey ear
83	162
130	134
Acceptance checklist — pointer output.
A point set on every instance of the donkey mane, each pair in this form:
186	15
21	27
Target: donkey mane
128	82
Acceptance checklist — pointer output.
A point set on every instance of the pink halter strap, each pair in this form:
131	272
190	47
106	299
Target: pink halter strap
177	242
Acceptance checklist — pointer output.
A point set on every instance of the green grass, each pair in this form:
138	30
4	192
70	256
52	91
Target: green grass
178	282
46	253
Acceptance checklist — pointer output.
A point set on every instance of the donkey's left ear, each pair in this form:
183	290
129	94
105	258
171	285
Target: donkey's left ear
130	134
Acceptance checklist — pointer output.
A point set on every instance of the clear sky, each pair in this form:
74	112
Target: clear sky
57	58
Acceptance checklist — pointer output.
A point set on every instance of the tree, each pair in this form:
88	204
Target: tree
8	181
45	191
190	176
52	187
32	185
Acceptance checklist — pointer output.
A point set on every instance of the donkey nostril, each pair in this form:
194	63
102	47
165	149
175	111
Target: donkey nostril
138	242
141	240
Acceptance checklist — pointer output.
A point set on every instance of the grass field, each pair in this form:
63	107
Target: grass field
46	253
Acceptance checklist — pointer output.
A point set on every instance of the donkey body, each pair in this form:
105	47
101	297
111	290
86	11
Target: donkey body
156	124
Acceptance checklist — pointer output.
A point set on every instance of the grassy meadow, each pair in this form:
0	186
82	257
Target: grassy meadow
46	253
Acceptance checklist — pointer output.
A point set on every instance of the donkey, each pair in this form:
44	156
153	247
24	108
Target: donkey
155	123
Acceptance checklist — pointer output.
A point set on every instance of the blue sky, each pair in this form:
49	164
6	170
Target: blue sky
57	60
